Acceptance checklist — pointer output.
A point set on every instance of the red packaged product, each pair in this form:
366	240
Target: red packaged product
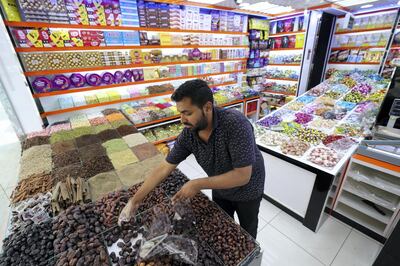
292	41
278	43
45	37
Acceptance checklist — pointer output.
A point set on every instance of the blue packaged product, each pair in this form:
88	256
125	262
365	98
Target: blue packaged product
131	38
113	38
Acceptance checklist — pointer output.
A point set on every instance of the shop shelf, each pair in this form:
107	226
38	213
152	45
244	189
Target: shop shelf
279	92
363	30
54	93
286	49
360	218
376	179
69	26
284	79
284	64
63	71
89	106
169	119
159	121
349	63
375	164
388	203
165	140
356	203
357	47
395	47
287	33
121	47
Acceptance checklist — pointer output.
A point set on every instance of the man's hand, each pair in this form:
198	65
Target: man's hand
189	190
128	212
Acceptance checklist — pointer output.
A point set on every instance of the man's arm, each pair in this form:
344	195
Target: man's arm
155	178
235	178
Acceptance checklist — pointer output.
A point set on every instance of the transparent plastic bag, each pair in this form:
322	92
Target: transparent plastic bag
165	234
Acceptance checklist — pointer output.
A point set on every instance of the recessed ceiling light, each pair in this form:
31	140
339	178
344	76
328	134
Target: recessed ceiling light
279	9
259	6
366	6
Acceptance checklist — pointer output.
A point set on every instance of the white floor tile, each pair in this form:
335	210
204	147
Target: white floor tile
9	164
281	251
323	245
358	250
268	211
4	214
189	171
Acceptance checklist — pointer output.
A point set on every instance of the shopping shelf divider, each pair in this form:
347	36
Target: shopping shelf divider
63	71
70	26
54	93
88	106
120	47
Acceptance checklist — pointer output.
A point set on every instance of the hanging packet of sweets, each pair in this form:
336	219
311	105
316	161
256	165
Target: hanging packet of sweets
10	9
288	25
292	41
285	42
278	43
299	41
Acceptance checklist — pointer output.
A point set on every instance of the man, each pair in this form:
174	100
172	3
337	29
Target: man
223	143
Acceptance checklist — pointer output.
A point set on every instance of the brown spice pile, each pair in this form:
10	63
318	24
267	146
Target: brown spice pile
31	186
63	146
126	130
66	158
96	166
91	151
35	141
87	140
108	134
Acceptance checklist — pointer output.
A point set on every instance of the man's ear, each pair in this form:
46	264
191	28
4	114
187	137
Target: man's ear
208	107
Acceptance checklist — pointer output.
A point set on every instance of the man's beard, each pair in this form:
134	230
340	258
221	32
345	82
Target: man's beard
202	124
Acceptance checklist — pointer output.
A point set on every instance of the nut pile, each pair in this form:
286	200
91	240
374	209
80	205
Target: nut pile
77	224
32	245
294	147
324	156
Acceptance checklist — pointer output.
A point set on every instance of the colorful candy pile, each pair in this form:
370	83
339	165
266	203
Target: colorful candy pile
303	118
310	135
349	82
305	99
290	128
270	121
362	88
295	106
272	138
351	130
324	156
322	123
331	138
294	147
354	97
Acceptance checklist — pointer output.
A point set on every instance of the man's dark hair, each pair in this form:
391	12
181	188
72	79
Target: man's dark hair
197	90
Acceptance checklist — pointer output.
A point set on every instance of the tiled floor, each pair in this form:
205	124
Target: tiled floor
285	241
10	151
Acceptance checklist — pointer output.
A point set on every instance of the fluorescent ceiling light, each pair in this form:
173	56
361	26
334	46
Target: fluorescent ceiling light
346	3
366	6
259	6
277	10
244	4
211	2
